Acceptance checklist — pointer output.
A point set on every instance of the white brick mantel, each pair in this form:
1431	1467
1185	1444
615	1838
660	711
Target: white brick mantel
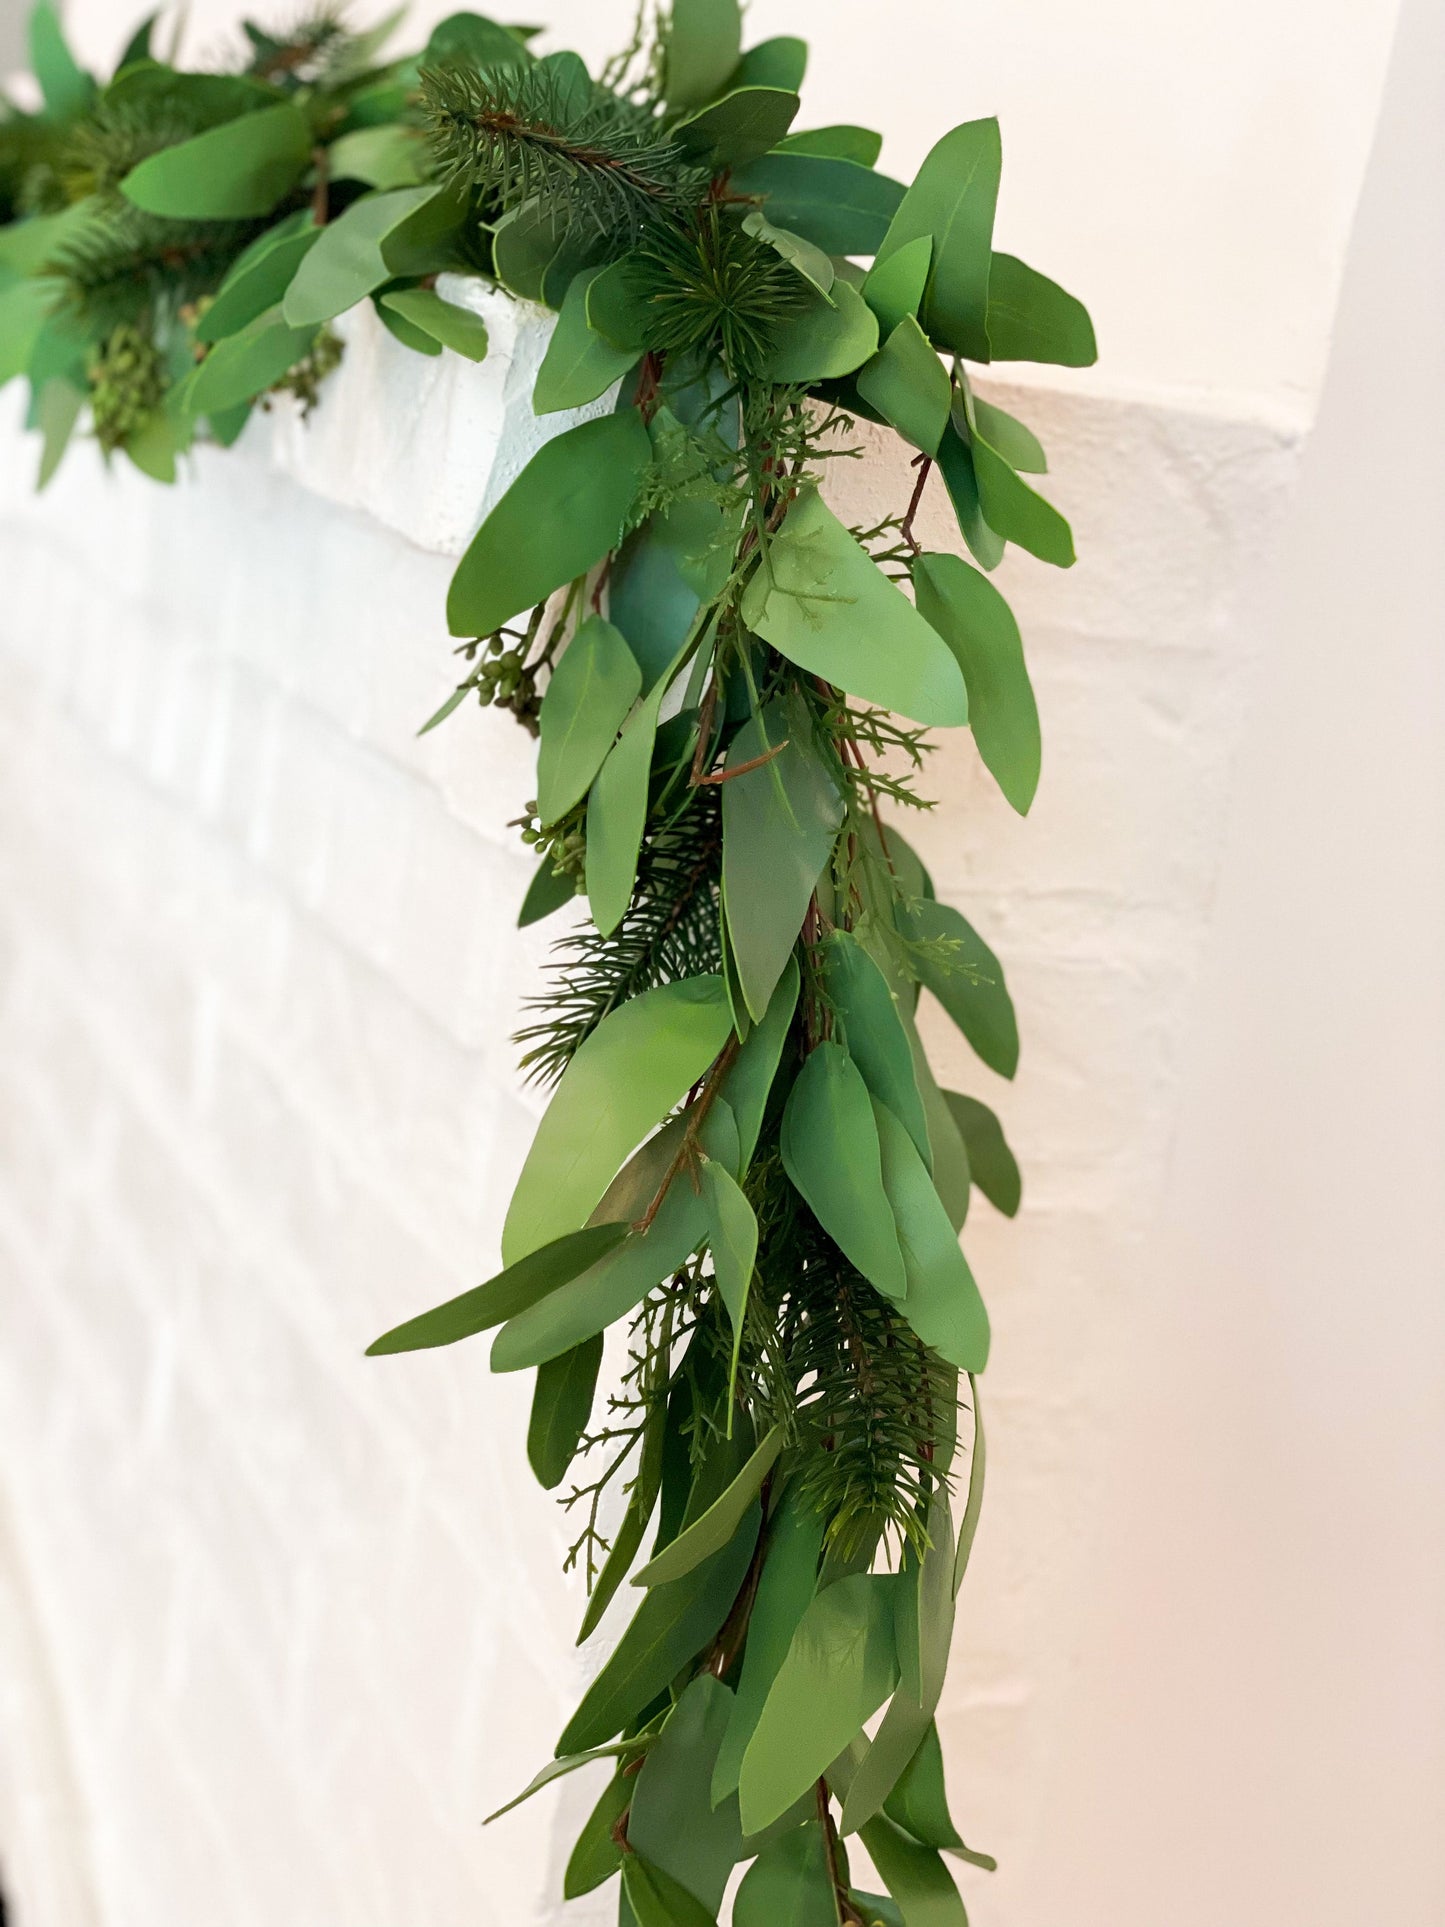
292	1620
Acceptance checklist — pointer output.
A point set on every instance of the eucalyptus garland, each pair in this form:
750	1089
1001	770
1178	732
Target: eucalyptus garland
745	1168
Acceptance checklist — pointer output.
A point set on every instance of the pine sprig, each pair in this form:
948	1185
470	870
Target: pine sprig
520	133
121	268
670	931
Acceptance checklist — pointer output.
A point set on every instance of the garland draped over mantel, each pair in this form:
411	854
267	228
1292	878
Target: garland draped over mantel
745	1164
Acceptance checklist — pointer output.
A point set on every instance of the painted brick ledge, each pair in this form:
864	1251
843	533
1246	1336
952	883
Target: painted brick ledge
258	1101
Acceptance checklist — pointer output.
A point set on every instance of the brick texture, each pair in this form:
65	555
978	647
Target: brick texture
279	1624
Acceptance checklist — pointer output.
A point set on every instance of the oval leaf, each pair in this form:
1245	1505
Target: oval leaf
978	626
717	1525
874	1034
967	980
831	1153
952	200
825	605
232	172
557	520
841	1666
828	336
587	701
669	1628
561	1407
780	822
640	1061
502	1297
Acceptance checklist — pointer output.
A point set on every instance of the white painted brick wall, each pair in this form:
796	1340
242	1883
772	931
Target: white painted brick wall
279	1624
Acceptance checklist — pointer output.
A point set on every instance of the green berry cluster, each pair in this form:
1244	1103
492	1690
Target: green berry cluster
304	381
564	841
504	678
127	385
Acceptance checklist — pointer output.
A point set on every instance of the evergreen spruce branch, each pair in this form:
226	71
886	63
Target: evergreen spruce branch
519	133
126	264
670	931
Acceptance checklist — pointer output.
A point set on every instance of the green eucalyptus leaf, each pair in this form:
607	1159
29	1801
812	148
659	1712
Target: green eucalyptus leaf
825	605
740	127
881	1767
609	1289
1017	443
915	1875
255	283
979	627
470	39
154	446
24	309
580	365
65	87
639	1061
779	62
790	1884
750	1080
617	813
559	1769
830	1151
657	1900
955	463
588	700
969	983
952	200
952	1177
836	204
557	520
596	1855
977	1465
785	1591
57	410
993	1165
942	1303
701	50
502	1297
404	330
811	263
669	1628
445	322
873	1032
733	1237
614	307
906	382
1031	318
877	1910
826	337
1017	512
841	1666
549	890
919	1804
673	1822
842	143
894	287
649	599
715	1527
381	157
247	363
561	1407
780	822
349	261
232	172
925	1608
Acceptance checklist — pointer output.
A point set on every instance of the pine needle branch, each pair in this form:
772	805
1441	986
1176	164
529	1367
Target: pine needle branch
522	133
